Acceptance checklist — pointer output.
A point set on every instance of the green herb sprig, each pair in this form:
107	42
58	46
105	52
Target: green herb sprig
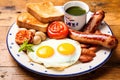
26	47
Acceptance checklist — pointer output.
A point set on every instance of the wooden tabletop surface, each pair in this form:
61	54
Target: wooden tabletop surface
9	68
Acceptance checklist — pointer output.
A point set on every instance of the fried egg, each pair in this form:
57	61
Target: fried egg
54	53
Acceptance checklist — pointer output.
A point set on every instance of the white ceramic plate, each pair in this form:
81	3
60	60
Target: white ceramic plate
102	55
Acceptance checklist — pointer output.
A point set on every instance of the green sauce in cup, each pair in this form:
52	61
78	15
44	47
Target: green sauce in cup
75	10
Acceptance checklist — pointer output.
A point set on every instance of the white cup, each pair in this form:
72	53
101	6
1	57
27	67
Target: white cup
73	21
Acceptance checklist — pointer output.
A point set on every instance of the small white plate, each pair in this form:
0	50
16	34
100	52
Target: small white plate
102	55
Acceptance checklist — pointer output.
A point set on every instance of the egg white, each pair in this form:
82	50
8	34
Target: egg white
57	60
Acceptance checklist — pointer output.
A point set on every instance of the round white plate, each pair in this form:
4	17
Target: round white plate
102	55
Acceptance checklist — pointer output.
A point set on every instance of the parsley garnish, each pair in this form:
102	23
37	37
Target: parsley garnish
26	47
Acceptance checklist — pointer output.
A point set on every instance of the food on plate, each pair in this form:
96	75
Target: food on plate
26	47
85	58
45	12
57	30
94	21
48	41
41	34
36	40
87	54
26	20
32	30
56	54
24	35
30	35
105	40
91	27
38	37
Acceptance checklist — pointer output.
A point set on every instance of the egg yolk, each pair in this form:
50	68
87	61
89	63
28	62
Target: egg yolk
45	51
66	49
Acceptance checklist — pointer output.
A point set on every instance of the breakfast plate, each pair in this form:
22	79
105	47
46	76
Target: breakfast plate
102	55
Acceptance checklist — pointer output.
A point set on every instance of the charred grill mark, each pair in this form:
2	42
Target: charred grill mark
113	41
92	37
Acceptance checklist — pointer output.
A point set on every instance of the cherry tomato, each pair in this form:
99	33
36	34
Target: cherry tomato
57	30
23	35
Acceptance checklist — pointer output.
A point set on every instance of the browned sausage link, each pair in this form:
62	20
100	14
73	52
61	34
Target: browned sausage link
85	58
93	48
88	52
105	40
85	45
94	21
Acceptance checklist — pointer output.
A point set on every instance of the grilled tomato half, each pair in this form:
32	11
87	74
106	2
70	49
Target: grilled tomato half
57	30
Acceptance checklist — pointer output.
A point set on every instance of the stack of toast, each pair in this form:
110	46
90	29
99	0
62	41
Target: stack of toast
38	16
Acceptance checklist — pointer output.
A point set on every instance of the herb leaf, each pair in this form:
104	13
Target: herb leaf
29	47
25	46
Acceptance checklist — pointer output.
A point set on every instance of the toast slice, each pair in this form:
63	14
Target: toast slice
44	11
26	20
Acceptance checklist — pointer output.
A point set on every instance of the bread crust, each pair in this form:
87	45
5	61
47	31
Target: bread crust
45	12
25	20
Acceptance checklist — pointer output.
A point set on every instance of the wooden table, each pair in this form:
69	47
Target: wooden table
10	70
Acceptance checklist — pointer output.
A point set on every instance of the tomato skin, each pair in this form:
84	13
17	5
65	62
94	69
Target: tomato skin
23	35
57	30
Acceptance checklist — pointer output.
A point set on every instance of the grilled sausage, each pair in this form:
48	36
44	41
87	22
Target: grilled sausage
94	21
88	52
105	40
85	58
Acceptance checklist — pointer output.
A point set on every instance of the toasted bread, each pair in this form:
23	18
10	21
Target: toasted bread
44	11
26	20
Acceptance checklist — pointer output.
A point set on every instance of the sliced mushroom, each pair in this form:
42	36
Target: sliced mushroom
41	34
36	40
